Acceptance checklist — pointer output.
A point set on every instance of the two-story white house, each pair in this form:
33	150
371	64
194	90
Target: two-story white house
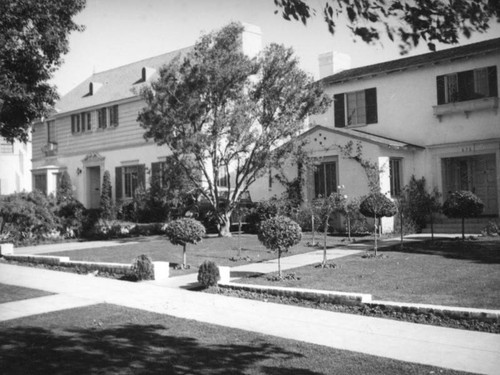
94	128
434	115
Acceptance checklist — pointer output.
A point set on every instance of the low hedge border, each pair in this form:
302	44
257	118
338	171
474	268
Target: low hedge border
365	300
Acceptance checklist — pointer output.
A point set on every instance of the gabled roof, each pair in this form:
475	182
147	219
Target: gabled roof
115	84
363	136
450	54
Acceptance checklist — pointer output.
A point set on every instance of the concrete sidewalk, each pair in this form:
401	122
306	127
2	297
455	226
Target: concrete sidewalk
444	347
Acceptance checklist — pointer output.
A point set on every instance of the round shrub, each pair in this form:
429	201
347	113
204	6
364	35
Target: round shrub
184	231
461	204
279	233
377	205
208	274
143	268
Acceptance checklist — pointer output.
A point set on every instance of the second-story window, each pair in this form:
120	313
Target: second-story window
102	118
113	115
75	123
467	85
51	132
86	121
356	108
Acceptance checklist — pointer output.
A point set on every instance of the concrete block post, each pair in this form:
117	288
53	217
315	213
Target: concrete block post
161	270
224	273
6	249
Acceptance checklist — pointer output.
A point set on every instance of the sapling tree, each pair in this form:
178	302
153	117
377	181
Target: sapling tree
184	231
463	204
279	234
377	205
240	213
227	116
325	208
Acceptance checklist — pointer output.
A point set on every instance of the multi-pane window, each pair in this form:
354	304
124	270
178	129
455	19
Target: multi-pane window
86	121
325	179
75	123
51	132
395	175
128	179
40	182
223	180
113	115
356	108
467	85
102	118
6	147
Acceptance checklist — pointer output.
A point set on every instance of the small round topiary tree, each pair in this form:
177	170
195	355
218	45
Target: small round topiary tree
463	204
184	231
377	205
279	234
208	274
143	268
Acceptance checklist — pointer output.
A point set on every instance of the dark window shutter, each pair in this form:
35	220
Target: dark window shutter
371	106
141	176
465	85
492	81
118	180
440	89
339	109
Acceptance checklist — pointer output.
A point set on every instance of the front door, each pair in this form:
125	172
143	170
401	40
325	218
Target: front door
93	187
474	173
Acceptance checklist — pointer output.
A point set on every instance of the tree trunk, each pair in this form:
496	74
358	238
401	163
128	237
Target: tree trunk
313	229
184	265
401	229
375	232
324	243
349	228
239	238
279	264
432	228
225	224
463	228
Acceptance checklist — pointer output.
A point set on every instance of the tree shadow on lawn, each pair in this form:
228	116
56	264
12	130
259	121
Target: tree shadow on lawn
129	349
487	251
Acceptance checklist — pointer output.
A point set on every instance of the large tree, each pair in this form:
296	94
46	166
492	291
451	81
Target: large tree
407	22
33	37
222	113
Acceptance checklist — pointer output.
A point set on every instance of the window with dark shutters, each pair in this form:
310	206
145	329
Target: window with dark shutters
118	182
467	85
356	108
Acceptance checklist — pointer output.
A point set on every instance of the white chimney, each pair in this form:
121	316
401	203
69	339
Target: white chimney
333	62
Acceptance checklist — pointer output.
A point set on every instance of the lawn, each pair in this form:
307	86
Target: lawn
213	248
10	293
450	272
109	339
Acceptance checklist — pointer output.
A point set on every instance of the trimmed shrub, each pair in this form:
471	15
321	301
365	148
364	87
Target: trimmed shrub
377	205
184	231
106	203
65	190
463	204
208	274
143	268
279	234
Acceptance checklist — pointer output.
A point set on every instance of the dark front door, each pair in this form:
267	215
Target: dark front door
474	173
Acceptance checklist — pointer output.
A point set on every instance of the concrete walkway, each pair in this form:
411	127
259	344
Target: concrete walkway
444	347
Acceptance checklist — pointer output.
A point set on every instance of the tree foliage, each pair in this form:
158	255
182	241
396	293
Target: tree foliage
184	231
407	22
33	37
279	234
106	203
463	204
222	113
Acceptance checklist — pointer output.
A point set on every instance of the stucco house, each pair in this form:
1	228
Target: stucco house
433	115
94	128
15	166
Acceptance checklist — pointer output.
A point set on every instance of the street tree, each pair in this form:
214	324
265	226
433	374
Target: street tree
223	114
33	37
405	22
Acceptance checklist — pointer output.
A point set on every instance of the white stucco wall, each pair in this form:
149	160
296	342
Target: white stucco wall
15	175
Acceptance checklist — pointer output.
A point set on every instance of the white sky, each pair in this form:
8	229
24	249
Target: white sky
119	32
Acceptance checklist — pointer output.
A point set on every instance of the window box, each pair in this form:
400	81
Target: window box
466	107
50	149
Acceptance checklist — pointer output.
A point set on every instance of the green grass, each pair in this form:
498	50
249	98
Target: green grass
109	339
11	293
216	249
449	273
